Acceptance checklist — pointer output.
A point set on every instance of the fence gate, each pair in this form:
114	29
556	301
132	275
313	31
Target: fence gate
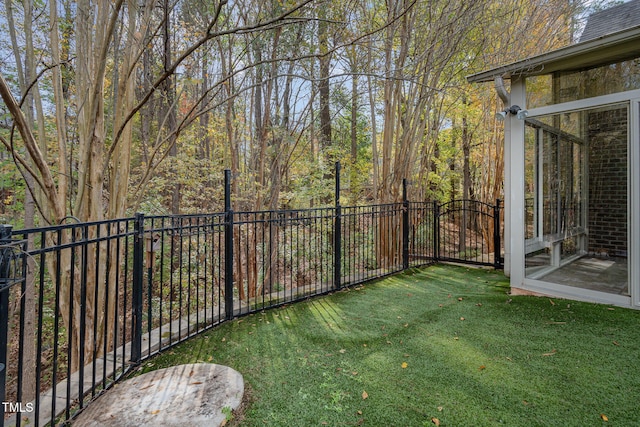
468	231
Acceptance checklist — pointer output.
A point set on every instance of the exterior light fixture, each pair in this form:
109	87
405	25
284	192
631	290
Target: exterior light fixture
514	110
501	115
522	114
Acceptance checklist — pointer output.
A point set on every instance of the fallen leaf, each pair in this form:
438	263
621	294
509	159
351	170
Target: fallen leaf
604	417
479	304
616	343
610	308
462	318
223	339
359	412
360	422
404	365
551	301
440	408
439	305
460	299
354	373
482	367
406	324
155	411
365	395
435	421
551	353
525	403
196	382
343	351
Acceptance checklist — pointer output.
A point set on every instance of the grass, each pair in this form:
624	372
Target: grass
441	346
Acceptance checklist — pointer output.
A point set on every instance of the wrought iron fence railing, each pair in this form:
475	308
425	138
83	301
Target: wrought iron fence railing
96	299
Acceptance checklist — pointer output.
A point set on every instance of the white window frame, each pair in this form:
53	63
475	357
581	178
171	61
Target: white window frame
633	203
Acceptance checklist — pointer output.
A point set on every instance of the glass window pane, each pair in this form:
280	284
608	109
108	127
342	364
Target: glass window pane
576	198
550	89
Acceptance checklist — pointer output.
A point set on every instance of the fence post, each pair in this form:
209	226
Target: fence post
337	235
136	298
497	260
228	247
5	239
436	231
405	226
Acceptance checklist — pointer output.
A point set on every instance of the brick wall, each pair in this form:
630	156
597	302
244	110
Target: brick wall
607	131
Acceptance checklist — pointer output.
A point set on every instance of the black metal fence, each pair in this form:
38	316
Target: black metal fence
83	303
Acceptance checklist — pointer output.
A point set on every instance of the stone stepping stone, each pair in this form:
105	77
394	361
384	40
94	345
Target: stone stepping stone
200	394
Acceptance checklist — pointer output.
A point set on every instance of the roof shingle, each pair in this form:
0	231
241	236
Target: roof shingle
611	20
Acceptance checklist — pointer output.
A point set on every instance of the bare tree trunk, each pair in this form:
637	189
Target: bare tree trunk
323	85
374	130
170	100
26	74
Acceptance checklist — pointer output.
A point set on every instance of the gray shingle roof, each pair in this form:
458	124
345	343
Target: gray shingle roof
616	18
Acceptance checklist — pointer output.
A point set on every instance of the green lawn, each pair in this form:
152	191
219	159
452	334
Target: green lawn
442	346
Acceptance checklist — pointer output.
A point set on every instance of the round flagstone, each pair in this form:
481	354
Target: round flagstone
200	394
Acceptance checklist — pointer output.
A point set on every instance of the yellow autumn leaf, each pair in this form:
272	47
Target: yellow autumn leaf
364	395
435	421
404	365
604	417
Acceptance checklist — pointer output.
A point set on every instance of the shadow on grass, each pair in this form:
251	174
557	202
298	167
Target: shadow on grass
444	342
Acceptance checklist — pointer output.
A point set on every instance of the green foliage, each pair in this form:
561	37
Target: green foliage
12	191
228	413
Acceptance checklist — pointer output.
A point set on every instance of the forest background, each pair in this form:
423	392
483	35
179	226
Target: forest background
113	107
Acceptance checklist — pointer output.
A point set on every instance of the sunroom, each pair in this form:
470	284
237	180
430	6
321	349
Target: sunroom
572	169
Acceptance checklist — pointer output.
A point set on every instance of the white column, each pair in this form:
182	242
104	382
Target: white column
514	193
